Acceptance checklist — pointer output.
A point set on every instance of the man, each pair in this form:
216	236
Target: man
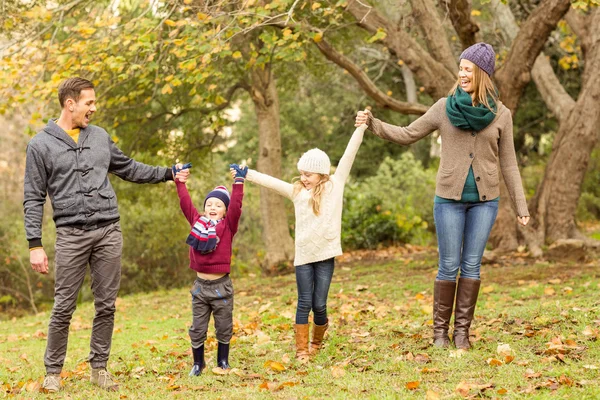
70	160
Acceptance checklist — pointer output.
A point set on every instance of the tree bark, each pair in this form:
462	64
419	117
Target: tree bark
276	233
432	74
460	15
515	73
431	25
556	200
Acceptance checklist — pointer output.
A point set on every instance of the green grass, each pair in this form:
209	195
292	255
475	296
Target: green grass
379	339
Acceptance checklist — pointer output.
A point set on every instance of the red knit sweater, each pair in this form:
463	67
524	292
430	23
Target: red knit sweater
218	261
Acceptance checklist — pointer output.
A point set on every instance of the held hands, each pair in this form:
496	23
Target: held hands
39	260
238	173
362	117
523	220
181	172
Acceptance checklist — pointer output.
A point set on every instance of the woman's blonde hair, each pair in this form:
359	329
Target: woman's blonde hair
316	194
484	89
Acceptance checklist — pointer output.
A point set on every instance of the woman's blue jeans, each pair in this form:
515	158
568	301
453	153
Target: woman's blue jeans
462	230
313	282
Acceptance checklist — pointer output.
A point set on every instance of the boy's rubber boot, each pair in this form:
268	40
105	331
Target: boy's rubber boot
317	337
223	355
443	302
466	298
302	354
198	361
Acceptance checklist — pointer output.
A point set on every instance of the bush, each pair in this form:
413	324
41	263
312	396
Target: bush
394	206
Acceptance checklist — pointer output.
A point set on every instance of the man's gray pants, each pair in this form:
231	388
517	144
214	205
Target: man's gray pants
75	249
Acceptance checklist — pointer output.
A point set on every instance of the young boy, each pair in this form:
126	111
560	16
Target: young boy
210	242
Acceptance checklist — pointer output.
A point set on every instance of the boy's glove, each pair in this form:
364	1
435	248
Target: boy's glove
184	166
240	172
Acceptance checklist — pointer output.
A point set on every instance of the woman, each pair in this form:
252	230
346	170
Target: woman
477	135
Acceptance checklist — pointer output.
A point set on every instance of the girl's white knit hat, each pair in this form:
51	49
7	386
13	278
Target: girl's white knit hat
315	161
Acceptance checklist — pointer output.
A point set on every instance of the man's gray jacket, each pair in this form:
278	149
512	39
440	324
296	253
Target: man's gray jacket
75	176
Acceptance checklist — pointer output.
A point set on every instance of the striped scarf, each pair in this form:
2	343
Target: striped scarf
203	237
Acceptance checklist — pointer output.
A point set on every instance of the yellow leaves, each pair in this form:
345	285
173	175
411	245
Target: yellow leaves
236	55
274	386
287	32
475	13
274	366
187	2
316	6
318	37
549	291
488	289
201	16
167	89
170	22
86	32
379	35
400	62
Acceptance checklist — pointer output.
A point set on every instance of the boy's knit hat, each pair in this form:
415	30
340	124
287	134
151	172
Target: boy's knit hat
221	193
315	161
482	55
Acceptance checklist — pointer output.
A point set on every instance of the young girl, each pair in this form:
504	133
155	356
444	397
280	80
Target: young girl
210	242
317	198
477	135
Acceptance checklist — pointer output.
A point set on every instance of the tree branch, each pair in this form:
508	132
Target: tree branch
460	15
431	25
553	93
515	73
366	84
432	74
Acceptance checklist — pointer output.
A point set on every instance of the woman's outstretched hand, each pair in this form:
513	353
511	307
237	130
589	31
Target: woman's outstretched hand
523	220
362	117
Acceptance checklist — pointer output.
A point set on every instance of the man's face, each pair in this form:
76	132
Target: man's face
82	110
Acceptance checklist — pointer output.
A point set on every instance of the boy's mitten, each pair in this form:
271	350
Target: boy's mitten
240	172
184	166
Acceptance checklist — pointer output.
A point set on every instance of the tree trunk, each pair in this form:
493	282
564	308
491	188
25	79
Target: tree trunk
556	200
276	232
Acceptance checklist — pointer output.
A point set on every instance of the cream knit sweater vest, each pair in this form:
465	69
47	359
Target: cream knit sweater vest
318	238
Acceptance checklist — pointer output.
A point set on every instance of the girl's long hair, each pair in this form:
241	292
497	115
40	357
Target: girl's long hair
484	89
316	194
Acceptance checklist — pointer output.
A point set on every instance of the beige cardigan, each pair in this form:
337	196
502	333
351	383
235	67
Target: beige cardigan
461	149
318	237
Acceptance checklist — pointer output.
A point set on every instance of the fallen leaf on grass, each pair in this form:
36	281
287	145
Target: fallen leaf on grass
504	349
32	386
529	374
590	367
274	366
275	386
488	289
412	385
286	358
457	353
463	388
502	391
429	370
431	395
549	291
494	362
422	358
220	371
337	372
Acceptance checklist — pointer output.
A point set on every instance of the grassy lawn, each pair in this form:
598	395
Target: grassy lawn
536	336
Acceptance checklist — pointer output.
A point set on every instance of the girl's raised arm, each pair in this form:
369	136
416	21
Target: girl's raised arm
283	188
343	169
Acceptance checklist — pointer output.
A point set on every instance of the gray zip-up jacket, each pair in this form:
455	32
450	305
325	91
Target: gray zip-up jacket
75	176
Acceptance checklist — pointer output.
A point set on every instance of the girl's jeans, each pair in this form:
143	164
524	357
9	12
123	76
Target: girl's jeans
462	232
313	287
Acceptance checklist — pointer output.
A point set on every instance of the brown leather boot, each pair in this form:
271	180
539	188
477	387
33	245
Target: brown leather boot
302	354
443	302
466	298
317	337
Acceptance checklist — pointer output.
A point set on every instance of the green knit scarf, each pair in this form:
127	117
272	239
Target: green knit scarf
462	114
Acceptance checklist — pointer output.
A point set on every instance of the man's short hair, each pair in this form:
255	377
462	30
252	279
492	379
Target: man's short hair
71	88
